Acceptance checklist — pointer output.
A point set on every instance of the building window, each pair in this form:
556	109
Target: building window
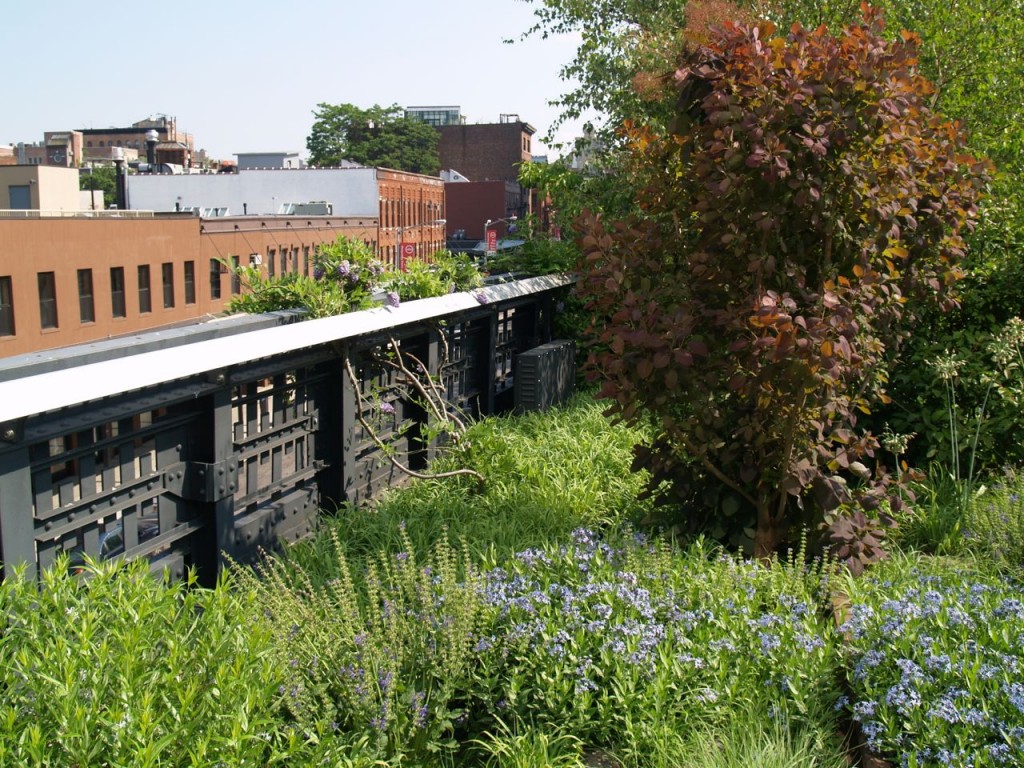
145	299
305	260
190	282
271	253
168	280
47	300
88	144
236	280
101	143
117	306
86	306
215	278
6	307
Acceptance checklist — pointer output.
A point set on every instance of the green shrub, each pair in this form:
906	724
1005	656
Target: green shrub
538	256
290	291
444	273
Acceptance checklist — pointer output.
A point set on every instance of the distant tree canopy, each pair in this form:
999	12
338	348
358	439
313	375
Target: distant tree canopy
377	137
104	178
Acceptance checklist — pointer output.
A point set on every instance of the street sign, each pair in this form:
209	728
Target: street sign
406	251
492	241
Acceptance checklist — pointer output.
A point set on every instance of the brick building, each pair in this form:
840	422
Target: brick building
64	148
487	151
77	279
489	154
173	145
408	206
470	204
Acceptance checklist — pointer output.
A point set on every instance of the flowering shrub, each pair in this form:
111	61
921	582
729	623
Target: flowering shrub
605	636
937	669
443	273
352	266
346	276
380	666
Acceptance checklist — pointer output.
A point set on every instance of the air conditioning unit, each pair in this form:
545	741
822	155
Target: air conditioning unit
545	375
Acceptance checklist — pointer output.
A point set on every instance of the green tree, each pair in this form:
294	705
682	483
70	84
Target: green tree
377	137
806	201
102	177
619	39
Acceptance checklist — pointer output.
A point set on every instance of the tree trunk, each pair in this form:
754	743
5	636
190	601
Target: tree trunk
768	534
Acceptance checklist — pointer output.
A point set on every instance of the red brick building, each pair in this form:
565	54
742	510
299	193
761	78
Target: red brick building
470	204
487	151
173	145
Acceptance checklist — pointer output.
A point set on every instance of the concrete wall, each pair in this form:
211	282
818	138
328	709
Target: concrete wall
352	191
251	160
50	188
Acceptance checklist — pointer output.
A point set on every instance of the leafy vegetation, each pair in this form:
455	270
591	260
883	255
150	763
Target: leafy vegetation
121	669
936	666
102	177
785	242
529	623
346	276
531	626
377	137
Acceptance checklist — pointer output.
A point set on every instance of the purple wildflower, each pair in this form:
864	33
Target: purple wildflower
392	299
387	408
419	709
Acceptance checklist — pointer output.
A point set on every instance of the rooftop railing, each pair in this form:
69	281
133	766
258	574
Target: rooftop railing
188	454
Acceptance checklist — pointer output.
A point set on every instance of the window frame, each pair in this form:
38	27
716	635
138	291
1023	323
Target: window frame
47	283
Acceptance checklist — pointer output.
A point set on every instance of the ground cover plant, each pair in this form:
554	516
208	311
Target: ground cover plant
614	640
936	664
545	475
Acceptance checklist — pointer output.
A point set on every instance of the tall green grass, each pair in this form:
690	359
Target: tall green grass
989	525
546	474
119	669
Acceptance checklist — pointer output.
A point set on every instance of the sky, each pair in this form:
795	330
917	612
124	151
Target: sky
246	75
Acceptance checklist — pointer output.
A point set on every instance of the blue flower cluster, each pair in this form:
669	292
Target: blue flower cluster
589	613
936	671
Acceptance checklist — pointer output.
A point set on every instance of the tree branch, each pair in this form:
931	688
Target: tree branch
386	449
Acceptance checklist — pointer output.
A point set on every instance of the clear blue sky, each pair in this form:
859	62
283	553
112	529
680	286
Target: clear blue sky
245	75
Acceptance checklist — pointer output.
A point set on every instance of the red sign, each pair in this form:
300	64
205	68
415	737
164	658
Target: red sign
406	251
492	240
